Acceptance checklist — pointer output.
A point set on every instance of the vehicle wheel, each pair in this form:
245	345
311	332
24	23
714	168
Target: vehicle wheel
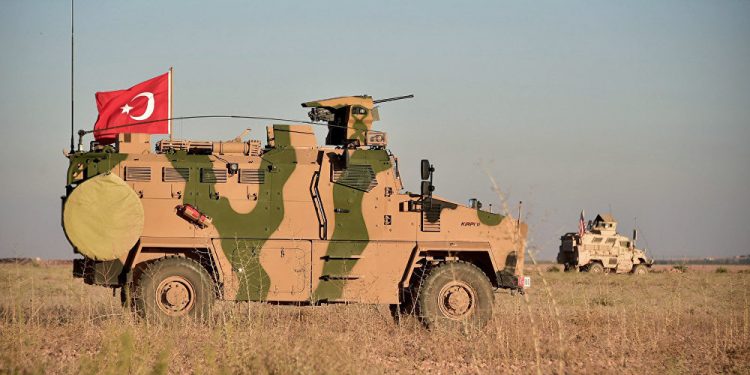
639	269
455	294
595	268
173	288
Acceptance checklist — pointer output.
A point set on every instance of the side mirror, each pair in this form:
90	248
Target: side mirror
426	169
427	188
475	203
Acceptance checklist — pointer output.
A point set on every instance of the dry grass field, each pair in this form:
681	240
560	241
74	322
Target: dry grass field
695	322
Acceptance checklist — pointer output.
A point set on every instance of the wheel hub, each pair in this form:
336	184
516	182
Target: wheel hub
457	300
175	296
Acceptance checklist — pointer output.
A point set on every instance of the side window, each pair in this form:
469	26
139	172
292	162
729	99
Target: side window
359	177
360	111
510	262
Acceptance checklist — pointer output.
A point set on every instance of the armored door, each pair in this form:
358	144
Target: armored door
624	259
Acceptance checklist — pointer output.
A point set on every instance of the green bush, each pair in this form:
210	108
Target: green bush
721	270
603	300
680	267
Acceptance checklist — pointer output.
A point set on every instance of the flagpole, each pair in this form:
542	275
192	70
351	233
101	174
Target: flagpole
72	107
171	108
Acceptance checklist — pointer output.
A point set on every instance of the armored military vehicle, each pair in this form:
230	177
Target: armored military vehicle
599	248
289	221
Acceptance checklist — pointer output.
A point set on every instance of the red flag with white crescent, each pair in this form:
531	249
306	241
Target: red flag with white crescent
145	105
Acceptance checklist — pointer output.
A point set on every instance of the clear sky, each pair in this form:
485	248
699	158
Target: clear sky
638	107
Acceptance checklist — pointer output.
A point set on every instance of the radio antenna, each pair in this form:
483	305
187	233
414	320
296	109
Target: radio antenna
72	118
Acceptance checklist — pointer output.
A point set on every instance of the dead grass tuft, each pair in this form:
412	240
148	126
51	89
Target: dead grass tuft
695	322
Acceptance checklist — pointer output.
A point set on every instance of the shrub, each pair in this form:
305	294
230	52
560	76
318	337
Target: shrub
680	268
721	270
603	300
553	269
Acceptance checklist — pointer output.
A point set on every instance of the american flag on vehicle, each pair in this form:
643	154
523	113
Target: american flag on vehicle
581	225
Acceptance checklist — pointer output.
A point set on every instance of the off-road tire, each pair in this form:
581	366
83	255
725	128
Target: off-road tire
595	268
639	269
455	295
570	268
173	288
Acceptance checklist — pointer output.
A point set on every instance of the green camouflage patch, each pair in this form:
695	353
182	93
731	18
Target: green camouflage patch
350	235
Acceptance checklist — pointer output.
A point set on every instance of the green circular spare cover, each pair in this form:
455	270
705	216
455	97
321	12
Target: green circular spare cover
103	217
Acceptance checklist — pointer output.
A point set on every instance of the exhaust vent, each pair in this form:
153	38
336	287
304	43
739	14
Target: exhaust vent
213	176
137	173
175	174
431	217
252	176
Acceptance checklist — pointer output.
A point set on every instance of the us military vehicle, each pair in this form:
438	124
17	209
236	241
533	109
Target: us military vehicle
601	249
186	222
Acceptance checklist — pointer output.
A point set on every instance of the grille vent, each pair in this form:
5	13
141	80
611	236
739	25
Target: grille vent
213	176
252	176
253	147
137	173
431	217
175	174
360	177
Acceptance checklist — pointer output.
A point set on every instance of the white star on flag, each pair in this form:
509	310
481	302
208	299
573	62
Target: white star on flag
126	108
148	101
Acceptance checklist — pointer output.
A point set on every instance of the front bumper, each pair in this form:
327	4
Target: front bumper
509	281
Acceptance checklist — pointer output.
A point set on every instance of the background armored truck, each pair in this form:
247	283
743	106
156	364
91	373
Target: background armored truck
601	249
290	221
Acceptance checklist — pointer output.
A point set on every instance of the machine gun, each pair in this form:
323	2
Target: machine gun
350	119
378	101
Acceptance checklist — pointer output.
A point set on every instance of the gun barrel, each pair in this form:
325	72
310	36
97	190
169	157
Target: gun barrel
392	99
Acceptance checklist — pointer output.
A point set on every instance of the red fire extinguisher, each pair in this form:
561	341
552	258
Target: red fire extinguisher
191	214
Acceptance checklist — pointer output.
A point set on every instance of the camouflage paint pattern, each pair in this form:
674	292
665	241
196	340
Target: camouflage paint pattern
299	221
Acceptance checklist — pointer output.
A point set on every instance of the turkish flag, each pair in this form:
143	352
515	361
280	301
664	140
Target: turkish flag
143	108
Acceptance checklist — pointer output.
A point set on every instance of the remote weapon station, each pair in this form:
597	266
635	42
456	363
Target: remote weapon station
178	225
